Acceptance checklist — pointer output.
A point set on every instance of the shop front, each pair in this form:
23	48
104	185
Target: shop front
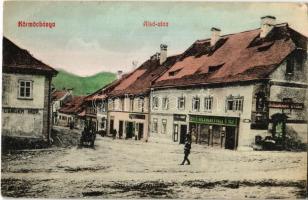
179	128
135	128
216	131
128	125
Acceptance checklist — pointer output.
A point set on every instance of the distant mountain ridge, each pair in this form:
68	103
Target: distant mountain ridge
82	85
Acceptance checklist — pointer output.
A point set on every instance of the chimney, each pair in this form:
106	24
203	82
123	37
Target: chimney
70	90
119	74
215	35
267	24
156	56
163	53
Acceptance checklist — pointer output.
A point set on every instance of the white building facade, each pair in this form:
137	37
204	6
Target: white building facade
227	91
26	95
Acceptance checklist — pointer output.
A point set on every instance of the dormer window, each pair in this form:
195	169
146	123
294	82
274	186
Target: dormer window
215	68
175	72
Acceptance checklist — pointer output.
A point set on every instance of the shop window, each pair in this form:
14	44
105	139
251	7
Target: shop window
290	66
196	103
235	103
208	103
155	125
164	126
155	103
25	89
165	103
181	103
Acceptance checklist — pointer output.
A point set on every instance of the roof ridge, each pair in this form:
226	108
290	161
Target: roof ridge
276	25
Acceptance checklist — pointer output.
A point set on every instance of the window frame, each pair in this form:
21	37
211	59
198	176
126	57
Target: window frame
196	101
181	99
30	87
208	103
155	102
164	126
165	103
237	103
141	103
131	104
155	125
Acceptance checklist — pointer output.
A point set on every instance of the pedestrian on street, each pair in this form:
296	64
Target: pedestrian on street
187	147
114	133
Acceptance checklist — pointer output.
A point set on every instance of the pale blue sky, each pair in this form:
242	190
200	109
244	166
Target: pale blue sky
91	37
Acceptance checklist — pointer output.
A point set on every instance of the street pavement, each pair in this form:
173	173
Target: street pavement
135	169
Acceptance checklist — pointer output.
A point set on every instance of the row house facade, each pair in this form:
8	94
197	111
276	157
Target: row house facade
26	97
96	107
127	103
59	98
226	90
71	114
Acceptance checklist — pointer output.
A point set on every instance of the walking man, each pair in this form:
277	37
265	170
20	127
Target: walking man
187	148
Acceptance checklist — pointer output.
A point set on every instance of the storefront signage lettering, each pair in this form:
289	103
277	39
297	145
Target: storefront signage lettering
21	110
179	118
214	120
285	105
13	110
136	116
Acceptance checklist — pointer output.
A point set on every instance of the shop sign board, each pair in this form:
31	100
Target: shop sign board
214	120
179	118
285	105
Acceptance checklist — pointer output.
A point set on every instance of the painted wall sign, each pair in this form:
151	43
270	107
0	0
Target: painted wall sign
214	120
179	118
285	105
21	110
136	116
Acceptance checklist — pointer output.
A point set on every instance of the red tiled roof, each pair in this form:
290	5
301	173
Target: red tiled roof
74	106
236	57
102	92
140	80
16	59
56	95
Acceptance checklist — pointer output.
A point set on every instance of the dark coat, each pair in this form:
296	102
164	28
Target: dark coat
187	147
